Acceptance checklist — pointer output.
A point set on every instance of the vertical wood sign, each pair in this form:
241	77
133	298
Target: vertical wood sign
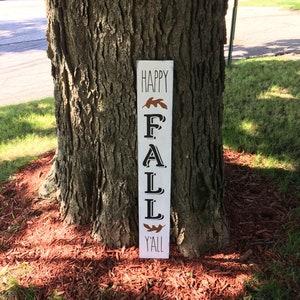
154	102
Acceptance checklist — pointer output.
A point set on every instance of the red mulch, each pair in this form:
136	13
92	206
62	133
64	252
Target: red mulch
39	250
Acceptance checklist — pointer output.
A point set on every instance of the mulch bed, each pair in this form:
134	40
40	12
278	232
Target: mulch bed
39	250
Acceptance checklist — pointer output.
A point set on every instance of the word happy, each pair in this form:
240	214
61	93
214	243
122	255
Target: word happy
154	81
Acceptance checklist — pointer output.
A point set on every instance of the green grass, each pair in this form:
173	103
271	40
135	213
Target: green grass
27	131
289	4
262	117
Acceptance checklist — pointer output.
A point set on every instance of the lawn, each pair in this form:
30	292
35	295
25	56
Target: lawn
289	4
262	115
27	131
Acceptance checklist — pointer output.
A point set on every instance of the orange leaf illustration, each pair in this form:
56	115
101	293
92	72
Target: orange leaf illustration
155	102
154	228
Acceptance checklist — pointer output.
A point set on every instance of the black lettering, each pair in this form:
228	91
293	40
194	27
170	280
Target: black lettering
150	185
150	204
153	154
150	125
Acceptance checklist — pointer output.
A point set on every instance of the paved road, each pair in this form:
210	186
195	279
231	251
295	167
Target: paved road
25	71
264	31
25	68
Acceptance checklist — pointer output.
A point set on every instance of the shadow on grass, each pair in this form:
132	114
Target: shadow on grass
262	113
18	121
26	130
8	168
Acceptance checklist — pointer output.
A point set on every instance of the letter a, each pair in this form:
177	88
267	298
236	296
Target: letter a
153	154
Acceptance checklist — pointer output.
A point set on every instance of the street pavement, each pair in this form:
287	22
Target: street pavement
263	31
25	70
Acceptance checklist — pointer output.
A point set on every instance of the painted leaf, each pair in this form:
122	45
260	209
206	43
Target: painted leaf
163	105
147	226
154	228
155	102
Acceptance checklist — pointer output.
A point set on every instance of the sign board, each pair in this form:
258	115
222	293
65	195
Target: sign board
154	108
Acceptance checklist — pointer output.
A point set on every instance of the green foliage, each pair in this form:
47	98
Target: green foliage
262	116
289	4
27	131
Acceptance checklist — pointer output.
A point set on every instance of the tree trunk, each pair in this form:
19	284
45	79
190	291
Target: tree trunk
93	46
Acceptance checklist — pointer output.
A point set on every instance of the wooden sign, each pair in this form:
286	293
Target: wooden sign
154	106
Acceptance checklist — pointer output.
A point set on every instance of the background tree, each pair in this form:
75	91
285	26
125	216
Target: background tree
93	47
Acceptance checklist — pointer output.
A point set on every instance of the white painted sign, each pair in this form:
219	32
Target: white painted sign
154	107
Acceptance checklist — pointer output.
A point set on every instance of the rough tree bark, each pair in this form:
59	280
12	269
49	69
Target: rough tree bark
93	47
